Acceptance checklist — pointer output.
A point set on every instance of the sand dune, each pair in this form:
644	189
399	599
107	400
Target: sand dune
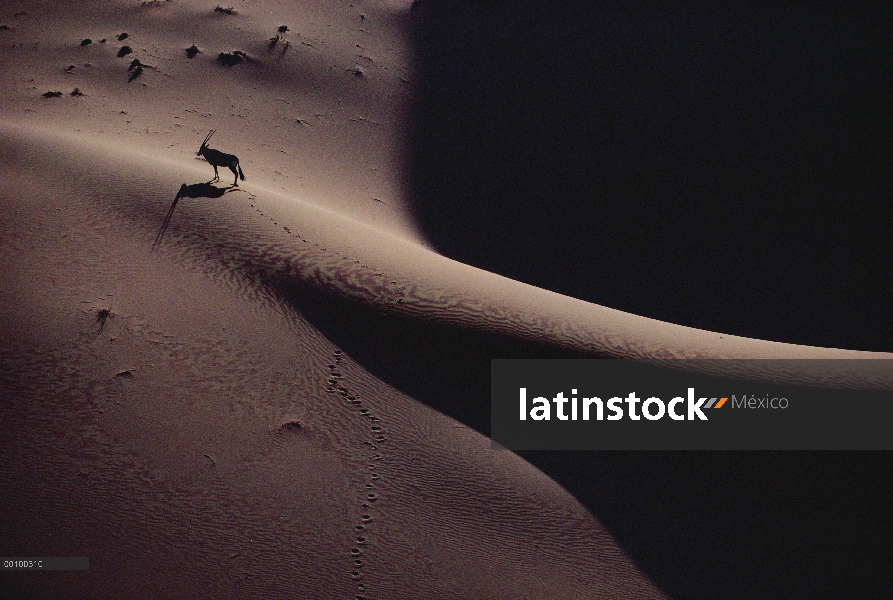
277	240
304	123
207	435
170	412
204	437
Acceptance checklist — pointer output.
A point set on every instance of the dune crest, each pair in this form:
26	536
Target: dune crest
274	238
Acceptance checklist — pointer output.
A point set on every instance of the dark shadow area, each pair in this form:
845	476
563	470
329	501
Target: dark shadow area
723	167
196	190
700	524
781	525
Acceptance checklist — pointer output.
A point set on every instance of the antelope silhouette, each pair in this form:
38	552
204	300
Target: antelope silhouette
220	159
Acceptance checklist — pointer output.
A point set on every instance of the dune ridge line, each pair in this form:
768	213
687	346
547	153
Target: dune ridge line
361	262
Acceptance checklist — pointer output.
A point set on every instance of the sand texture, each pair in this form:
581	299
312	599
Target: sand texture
188	396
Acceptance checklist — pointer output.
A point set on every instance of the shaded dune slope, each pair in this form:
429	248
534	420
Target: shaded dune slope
207	438
720	167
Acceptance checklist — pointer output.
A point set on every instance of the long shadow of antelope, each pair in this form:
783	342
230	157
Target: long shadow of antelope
196	190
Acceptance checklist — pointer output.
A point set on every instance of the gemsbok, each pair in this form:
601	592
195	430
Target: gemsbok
221	159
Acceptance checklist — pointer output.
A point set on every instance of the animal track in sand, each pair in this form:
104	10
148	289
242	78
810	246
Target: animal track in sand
363	541
363	532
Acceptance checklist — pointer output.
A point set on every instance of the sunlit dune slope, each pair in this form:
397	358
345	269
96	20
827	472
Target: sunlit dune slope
320	113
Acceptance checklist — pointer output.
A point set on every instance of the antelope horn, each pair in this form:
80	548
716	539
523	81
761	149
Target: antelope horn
208	136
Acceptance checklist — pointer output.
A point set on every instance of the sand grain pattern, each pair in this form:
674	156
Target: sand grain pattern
207	440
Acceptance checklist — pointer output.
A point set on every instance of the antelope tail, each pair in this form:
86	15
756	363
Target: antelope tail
241	174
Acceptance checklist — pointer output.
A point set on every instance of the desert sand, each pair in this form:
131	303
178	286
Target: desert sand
187	406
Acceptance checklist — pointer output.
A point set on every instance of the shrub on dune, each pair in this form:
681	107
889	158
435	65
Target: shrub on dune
124	51
231	60
280	35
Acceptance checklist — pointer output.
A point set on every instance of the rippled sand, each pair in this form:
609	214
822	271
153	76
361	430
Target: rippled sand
173	414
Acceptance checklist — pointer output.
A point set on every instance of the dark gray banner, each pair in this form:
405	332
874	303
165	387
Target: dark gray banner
76	563
616	404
